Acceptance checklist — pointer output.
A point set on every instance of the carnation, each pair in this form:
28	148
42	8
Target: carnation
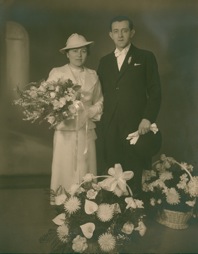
79	244
193	186
128	228
166	176
173	186
91	194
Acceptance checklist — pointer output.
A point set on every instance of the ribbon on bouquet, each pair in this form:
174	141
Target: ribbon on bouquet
77	105
133	137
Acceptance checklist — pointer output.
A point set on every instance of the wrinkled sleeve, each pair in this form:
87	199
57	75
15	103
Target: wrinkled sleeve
96	109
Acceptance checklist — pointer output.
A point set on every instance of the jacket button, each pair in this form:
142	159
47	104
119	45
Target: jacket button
117	88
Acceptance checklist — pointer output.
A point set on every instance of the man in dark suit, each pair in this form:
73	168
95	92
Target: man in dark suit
132	96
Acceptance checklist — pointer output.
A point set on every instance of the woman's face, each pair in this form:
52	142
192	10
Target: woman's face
77	56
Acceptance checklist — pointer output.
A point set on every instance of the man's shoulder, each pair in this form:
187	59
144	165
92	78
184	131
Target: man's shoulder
107	57
142	51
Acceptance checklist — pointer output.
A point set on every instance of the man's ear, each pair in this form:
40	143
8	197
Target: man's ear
132	33
110	34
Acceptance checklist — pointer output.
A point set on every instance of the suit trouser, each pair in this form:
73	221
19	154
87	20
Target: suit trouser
118	150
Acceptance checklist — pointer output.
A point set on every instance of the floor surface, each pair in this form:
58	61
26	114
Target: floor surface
25	215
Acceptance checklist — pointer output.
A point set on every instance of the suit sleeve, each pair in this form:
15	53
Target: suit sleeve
99	72
153	89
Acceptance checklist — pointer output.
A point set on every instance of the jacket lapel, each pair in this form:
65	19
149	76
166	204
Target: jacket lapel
128	59
115	69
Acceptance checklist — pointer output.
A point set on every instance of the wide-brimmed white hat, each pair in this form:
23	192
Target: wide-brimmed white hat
75	41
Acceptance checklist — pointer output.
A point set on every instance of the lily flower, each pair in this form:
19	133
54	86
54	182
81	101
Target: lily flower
130	203
88	229
116	182
90	207
134	203
60	219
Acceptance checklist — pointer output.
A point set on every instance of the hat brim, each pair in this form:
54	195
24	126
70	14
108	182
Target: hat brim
149	144
75	46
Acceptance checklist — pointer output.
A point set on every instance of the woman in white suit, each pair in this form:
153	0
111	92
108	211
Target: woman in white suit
74	152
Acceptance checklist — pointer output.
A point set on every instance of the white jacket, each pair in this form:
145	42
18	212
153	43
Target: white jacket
92	99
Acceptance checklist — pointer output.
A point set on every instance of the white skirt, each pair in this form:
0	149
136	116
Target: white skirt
74	155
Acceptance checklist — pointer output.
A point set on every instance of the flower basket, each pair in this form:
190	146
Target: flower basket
174	219
172	190
96	216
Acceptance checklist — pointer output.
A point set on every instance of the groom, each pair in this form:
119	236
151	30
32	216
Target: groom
132	96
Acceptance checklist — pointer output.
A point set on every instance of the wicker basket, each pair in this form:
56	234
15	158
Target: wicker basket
174	219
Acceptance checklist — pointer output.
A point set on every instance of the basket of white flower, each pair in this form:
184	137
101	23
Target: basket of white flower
96	216
172	191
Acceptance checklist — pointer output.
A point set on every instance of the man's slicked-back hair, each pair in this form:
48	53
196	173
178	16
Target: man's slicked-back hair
119	19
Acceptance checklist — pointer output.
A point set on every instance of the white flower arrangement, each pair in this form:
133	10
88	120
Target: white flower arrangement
102	214
171	185
52	101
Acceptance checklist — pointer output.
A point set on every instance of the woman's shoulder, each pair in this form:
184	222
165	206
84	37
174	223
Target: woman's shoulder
59	68
57	73
90	71
91	75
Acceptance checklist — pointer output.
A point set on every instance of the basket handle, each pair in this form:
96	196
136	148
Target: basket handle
172	160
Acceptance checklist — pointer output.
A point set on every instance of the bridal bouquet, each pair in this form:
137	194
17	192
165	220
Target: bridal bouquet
96	216
171	185
52	101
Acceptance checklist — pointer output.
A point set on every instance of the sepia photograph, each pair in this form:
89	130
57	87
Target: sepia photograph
99	129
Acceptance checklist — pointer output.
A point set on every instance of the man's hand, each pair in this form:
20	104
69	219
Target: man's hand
144	127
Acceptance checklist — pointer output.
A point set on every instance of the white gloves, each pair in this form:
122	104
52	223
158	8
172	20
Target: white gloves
133	137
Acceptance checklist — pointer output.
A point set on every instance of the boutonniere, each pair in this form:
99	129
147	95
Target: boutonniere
129	60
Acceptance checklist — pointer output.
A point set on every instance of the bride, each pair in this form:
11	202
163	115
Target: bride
74	152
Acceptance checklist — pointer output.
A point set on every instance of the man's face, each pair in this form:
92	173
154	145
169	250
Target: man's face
121	34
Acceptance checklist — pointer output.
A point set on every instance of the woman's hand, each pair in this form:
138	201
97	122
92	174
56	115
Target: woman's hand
91	112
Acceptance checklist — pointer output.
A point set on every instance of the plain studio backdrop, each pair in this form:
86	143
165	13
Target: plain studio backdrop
33	31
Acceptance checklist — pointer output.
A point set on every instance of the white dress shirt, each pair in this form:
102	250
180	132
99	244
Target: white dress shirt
120	55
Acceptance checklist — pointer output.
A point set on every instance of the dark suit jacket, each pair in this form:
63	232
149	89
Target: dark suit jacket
133	92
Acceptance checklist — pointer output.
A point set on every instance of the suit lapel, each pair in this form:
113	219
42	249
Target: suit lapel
114	64
128	59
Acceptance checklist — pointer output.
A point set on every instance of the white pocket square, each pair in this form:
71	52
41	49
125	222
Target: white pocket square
136	64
